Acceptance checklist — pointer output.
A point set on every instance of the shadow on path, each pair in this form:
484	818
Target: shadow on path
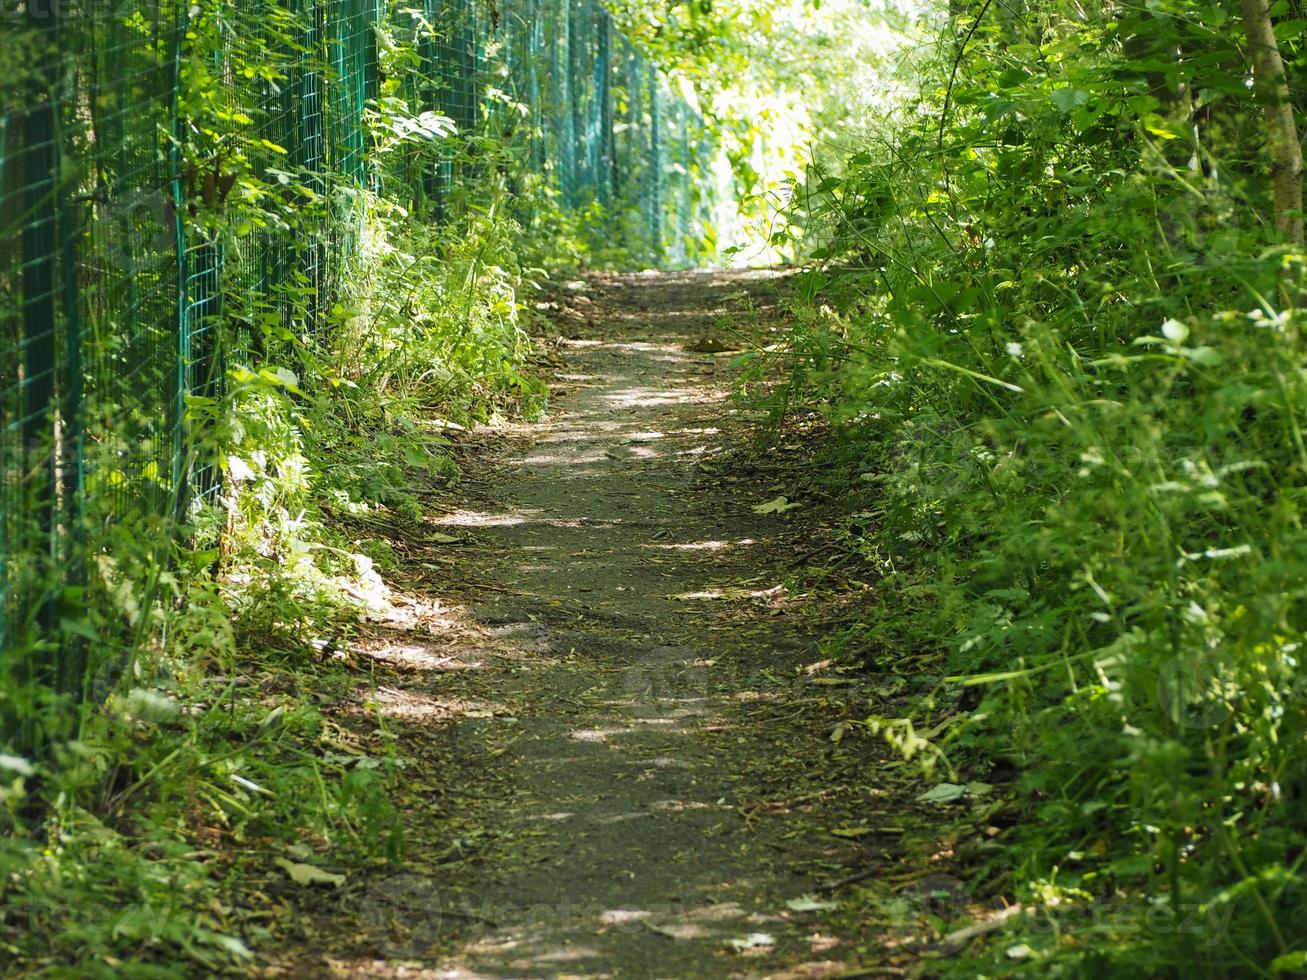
606	725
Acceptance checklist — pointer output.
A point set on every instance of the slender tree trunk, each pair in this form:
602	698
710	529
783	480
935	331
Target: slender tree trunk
1277	105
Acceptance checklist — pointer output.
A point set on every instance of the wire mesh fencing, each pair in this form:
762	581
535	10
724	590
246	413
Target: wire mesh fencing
128	277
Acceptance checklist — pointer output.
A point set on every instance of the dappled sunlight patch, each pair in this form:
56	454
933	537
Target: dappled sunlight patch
581	378
695	451
717	912
472	518
597	734
413	705
729	593
661	762
569	459
624	817
672	726
656	397
753	696
682	930
411	613
681	806
639	347
419	635
570	954
695	545
415	657
594	424
617	917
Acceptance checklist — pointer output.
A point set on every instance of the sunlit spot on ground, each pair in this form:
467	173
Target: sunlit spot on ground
680	806
599	734
654	397
472	518
624	817
413	657
695	546
614	917
572	459
412	705
661	762
565	955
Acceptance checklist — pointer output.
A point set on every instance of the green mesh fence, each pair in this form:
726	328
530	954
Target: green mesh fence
126	290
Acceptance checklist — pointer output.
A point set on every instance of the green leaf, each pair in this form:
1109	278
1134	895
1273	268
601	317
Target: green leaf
417	456
778	505
943	793
1290	962
807	903
1067	99
851	832
309	874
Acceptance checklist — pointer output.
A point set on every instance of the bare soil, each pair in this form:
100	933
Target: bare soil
614	709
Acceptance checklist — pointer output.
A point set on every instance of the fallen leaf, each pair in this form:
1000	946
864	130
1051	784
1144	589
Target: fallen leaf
850	831
438	538
951	792
309	874
943	793
779	505
234	946
807	903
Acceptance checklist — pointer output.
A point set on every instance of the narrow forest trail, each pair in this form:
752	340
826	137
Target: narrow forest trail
617	766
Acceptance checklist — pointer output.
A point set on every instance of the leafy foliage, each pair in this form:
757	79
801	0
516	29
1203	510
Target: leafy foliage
1053	320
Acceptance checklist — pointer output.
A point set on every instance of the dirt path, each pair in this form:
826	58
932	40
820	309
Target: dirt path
611	737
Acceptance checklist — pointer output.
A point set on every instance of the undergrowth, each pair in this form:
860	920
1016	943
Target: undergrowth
216	764
1060	347
198	758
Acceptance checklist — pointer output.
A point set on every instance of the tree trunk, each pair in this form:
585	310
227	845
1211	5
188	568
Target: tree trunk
1282	134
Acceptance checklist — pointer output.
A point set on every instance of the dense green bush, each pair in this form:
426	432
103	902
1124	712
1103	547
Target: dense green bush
1053	320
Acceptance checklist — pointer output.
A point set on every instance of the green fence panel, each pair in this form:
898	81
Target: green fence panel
127	290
